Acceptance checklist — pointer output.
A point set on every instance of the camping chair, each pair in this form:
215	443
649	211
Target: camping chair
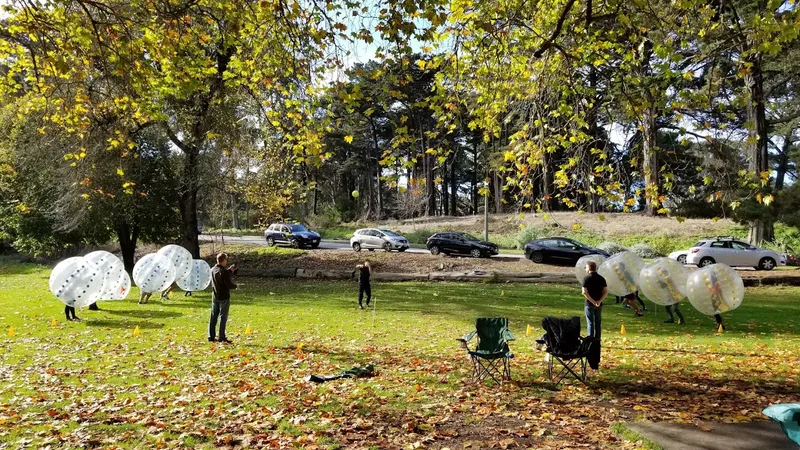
491	356
565	346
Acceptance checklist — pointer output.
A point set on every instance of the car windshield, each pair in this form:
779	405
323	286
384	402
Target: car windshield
389	233
469	237
699	244
573	243
297	228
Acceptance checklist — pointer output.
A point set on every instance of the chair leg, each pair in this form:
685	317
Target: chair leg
488	369
567	367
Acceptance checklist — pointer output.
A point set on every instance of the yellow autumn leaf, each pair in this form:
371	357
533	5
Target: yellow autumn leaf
348	139
120	172
768	199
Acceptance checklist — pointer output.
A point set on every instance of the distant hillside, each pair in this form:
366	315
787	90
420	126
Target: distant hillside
611	226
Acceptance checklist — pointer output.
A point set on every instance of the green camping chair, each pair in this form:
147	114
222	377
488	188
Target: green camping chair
491	356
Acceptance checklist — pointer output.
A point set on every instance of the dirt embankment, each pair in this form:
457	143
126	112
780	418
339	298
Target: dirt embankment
338	260
610	224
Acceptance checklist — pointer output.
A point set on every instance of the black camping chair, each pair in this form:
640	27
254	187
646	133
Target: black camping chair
565	346
491	356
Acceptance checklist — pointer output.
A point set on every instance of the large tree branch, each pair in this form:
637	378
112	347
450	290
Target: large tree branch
557	32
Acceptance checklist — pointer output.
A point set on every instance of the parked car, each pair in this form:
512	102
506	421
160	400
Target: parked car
372	238
291	235
460	243
559	250
728	250
679	255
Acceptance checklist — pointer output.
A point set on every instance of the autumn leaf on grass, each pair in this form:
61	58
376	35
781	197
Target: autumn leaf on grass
348	139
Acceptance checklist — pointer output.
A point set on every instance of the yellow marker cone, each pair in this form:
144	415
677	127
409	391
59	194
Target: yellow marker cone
720	329
53	323
11	331
248	330
136	331
502	293
622	330
529	330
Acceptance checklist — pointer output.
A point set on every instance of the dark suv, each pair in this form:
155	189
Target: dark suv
559	250
292	235
460	243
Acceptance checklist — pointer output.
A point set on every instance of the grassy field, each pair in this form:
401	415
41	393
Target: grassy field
95	383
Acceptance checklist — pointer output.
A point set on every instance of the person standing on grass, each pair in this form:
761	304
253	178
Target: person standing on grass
595	291
221	285
630	300
70	310
717	300
364	286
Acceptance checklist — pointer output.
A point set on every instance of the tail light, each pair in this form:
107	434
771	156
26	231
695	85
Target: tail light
694	250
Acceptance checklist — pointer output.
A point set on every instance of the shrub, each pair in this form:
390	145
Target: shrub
419	236
327	218
645	251
611	247
527	234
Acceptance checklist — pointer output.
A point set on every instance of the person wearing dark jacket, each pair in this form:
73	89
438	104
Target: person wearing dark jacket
221	285
364	287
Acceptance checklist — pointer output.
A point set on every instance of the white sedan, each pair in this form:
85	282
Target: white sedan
731	252
375	238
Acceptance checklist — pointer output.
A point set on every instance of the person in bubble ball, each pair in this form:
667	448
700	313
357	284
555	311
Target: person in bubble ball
717	299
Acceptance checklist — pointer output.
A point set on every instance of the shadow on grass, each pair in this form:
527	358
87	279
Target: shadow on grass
122	324
143	313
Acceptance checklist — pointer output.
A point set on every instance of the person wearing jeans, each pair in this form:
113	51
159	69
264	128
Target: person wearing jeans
221	285
671	319
594	292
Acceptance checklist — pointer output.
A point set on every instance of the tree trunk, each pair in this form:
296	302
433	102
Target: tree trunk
650	160
547	183
783	162
591	120
445	193
188	201
474	181
498	193
234	213
758	156
127	238
379	196
453	190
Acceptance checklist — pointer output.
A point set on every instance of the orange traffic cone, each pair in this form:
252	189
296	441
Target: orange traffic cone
529	330
136	331
53	323
622	330
720	329
11	331
248	330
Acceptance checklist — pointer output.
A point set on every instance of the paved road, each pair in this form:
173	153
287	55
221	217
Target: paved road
324	244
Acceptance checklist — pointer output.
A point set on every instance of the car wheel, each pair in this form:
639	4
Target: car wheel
401	250
537	257
314	246
682	259
357	246
294	243
434	250
766	264
371	249
387	247
270	241
475	253
706	262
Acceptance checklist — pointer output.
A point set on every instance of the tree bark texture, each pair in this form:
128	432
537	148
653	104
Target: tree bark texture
127	237
757	154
